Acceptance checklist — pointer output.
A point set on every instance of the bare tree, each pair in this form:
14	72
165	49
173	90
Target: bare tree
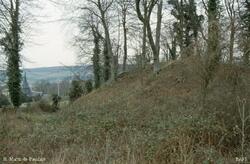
158	37
169	42
145	19
124	7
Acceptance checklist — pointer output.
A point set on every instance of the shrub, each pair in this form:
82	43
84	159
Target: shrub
55	101
76	90
89	86
45	106
4	101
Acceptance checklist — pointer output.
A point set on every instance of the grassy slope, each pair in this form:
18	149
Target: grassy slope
142	118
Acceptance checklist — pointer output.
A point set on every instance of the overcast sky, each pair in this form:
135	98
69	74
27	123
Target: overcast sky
49	43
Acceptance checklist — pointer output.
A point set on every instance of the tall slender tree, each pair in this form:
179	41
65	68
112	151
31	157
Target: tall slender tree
213	45
96	55
158	37
124	6
12	44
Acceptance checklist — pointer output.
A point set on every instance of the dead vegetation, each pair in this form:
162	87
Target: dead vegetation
125	122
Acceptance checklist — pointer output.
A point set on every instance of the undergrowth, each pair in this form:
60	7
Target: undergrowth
159	120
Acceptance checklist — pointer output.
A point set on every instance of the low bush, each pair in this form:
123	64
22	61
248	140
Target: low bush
55	101
4	101
89	86
76	90
46	107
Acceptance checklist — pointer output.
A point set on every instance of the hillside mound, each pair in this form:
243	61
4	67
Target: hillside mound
141	118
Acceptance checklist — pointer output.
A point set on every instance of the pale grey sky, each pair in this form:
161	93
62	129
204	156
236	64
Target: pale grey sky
49	43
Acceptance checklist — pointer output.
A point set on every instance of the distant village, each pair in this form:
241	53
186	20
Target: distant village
44	89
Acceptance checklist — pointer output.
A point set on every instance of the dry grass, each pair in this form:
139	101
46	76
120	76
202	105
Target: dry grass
154	120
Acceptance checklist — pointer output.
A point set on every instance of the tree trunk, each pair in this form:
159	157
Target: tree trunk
181	27
107	69
125	41
232	38
144	38
246	54
96	60
109	48
13	70
158	38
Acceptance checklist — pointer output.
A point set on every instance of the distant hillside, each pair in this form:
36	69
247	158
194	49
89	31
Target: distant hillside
53	74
